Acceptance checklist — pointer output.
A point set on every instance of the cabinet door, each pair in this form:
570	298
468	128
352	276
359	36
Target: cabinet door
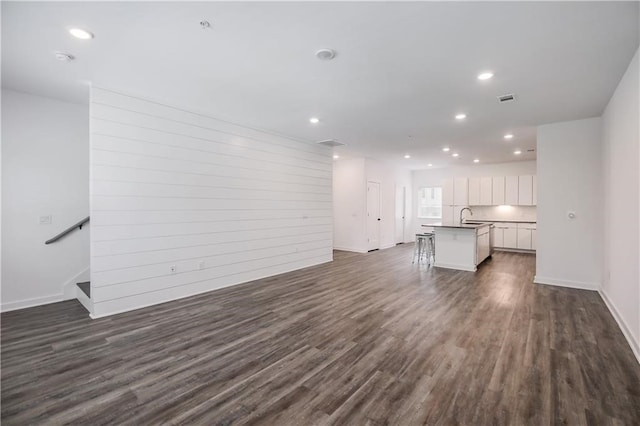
535	190
447	192
447	214
511	190
461	191
510	238
534	239
498	237
486	191
524	238
498	190
525	190
482	247
474	191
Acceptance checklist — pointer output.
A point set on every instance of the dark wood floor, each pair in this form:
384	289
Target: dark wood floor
367	339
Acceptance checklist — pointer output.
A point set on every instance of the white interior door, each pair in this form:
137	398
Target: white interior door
373	216
401	197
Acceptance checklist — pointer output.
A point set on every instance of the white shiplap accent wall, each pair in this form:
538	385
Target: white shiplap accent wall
224	203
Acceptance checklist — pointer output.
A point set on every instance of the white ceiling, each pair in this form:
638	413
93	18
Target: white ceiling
401	73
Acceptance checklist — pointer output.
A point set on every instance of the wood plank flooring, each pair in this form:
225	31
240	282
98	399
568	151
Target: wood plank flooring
369	339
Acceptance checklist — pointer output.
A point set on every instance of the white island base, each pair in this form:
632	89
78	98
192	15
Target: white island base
461	247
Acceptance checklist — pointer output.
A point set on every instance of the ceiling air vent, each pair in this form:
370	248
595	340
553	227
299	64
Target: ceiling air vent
510	97
330	142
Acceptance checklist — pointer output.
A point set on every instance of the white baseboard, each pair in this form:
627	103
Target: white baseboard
635	346
512	250
30	303
566	283
455	266
351	249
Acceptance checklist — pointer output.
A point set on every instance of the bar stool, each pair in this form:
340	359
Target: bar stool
424	248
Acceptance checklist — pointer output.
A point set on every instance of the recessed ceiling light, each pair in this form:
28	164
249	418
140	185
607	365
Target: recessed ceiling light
407	156
81	34
485	75
508	136
455	154
314	120
446	149
476	160
429	165
336	156
517	152
326	54
461	116
64	57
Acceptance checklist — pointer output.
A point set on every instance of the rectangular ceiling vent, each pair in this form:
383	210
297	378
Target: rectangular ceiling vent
510	97
330	142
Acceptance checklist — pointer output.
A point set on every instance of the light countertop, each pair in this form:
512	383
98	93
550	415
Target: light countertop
458	225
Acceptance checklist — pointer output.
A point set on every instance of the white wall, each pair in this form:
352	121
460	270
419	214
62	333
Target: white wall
434	177
350	177
388	178
45	171
223	203
570	180
621	162
350	205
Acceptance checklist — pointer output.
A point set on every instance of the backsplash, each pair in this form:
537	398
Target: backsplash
518	213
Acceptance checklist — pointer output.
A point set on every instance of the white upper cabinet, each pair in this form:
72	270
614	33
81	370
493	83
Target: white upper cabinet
447	192
486	192
490	191
498	190
525	190
511	190
474	191
461	191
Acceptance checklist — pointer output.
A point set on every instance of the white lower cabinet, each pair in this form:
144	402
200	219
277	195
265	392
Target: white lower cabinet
526	236
497	236
514	235
533	239
483	245
510	236
524	239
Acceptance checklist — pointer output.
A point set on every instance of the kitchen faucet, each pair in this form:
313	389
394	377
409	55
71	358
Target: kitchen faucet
462	211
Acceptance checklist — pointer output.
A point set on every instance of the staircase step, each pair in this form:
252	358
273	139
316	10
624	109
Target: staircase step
86	288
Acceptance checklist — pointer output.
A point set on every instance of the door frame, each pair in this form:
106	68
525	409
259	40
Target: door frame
376	245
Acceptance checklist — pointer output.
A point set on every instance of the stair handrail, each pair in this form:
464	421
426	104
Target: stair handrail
68	230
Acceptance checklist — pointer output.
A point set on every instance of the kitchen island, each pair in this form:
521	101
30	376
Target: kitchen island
462	246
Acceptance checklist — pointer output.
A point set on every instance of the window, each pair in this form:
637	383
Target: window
430	202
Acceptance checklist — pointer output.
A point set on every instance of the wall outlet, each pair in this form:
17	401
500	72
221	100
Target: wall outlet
173	269
201	264
45	220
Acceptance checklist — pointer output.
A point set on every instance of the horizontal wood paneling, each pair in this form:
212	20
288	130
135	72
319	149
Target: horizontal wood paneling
163	242
221	202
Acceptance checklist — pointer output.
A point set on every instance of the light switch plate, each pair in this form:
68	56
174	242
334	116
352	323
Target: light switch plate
45	220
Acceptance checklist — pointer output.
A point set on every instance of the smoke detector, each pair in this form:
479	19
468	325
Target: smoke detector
509	97
326	54
64	57
330	142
